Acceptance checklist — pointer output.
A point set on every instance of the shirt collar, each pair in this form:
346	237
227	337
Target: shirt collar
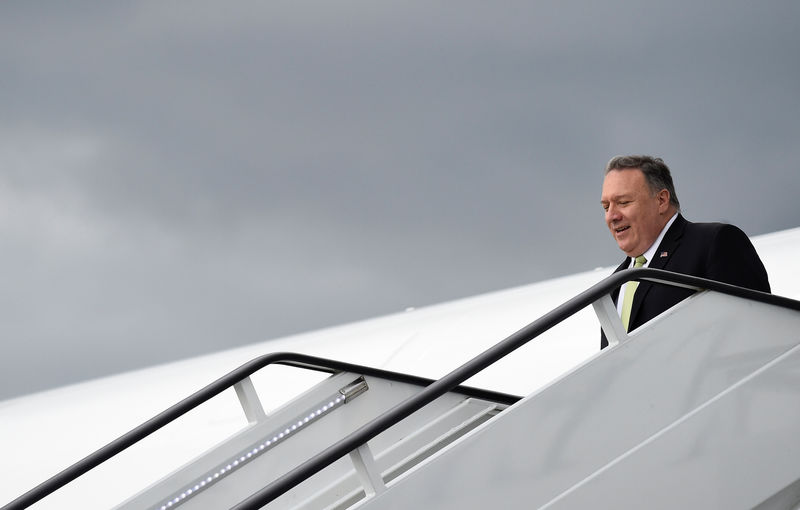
651	252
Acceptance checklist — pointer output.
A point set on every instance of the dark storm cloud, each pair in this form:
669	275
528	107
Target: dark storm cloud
177	180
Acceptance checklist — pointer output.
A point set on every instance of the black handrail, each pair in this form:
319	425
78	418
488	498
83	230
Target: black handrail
447	383
176	411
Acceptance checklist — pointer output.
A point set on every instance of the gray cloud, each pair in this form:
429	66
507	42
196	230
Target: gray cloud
175	181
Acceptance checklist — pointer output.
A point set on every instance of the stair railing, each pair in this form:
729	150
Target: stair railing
598	295
240	380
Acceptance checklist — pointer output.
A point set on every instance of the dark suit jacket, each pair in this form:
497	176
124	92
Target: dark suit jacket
716	251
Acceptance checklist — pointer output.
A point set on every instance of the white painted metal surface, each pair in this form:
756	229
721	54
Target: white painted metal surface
699	409
735	451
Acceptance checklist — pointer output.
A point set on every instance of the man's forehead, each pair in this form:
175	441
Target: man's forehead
625	175
623	181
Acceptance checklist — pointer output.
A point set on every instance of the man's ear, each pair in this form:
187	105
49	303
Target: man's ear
663	201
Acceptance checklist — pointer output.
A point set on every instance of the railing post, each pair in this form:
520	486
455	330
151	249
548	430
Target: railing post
367	471
609	319
248	398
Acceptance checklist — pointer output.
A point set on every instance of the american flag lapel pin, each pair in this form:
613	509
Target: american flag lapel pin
664	254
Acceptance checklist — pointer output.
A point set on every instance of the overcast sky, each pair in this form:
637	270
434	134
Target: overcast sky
182	177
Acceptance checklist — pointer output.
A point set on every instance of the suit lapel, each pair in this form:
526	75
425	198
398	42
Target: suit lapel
624	265
668	245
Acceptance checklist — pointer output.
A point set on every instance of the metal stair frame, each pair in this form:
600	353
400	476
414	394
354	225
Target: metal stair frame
596	295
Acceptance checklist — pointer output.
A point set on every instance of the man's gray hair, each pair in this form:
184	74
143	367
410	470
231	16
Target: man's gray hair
655	171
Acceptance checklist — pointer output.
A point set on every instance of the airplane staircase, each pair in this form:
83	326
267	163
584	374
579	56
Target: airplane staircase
323	415
698	408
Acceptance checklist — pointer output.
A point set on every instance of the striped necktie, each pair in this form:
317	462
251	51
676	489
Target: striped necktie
630	288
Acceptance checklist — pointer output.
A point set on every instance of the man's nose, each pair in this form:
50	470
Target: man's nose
612	213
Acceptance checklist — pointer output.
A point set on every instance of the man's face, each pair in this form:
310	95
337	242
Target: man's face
634	215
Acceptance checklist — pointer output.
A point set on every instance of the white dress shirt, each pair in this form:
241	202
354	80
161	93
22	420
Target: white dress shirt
649	254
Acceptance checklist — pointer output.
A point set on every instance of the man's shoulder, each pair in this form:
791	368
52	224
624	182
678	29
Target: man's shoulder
708	237
709	231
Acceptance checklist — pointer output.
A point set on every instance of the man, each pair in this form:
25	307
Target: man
643	215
